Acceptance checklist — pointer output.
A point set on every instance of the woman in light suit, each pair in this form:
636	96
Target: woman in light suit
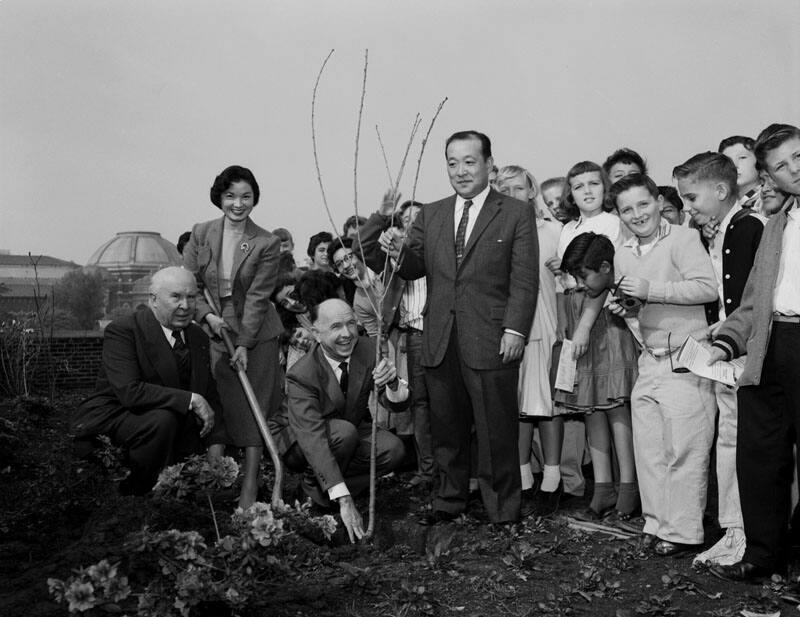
238	262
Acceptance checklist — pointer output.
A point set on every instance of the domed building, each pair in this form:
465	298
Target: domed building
130	258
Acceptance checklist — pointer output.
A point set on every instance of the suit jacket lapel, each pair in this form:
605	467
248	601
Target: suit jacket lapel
357	375
245	248
329	383
489	210
158	350
446	236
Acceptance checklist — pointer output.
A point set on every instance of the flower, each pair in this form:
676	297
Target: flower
102	571
80	597
326	523
266	529
188	544
56	588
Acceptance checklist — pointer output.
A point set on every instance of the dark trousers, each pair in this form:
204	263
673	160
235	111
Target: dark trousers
350	446
420	407
769	423
460	397
152	440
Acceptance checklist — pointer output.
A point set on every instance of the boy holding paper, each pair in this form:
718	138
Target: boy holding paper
666	267
766	327
707	183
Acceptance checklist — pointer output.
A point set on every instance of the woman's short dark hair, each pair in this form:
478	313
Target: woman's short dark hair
316	240
285	279
316	286
229	175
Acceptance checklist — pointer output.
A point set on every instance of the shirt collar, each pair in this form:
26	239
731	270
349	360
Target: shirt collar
664	229
334	364
723	225
581	219
793	209
477	201
168	334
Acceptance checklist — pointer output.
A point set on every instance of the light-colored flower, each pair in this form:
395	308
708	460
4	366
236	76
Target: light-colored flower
80	596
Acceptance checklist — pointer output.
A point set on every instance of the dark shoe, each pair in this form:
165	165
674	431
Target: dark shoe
665	548
474	497
547	502
740	572
631	525
438	517
627	516
593	516
527	503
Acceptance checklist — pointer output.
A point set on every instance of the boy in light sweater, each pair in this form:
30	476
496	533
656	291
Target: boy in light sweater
666	267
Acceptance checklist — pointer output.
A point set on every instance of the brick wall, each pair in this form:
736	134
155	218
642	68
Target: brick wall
77	356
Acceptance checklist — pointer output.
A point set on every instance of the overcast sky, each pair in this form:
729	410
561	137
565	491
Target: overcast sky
117	115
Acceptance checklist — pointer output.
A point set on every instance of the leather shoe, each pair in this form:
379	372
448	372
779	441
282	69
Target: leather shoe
438	517
665	548
527	503
591	515
547	502
740	572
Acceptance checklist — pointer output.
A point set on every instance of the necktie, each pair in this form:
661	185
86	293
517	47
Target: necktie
344	379
461	232
181	353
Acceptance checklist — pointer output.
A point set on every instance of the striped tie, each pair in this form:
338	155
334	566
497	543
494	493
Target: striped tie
461	232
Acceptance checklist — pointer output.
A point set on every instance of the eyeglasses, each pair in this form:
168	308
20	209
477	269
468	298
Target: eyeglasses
680	369
347	258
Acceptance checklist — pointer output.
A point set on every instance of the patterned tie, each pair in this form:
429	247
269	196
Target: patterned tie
181	353
344	379
461	232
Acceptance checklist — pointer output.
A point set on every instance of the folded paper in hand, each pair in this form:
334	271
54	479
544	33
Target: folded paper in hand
693	355
567	365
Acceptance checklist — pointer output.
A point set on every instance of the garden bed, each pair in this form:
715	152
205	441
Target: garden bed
58	514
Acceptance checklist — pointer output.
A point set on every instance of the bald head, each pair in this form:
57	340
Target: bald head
334	325
170	276
173	297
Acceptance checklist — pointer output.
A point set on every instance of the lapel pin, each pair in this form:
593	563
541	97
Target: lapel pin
245	247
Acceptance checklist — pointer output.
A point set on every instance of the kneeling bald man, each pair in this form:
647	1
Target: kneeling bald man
325	430
155	396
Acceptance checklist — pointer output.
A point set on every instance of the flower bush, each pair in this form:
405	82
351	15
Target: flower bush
96	587
196	474
180	569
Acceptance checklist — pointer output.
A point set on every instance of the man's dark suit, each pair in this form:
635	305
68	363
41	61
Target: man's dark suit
468	310
138	400
332	433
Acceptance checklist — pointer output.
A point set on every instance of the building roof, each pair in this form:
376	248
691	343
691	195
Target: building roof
135	249
39	260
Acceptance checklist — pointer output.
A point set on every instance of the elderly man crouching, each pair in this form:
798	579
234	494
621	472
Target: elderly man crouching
155	396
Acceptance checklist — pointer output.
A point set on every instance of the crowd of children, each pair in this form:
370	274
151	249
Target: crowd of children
628	270
639	268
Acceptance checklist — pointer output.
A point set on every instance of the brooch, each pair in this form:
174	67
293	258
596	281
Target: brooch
245	247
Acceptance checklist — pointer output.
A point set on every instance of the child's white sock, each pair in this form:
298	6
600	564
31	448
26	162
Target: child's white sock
550	478
526	474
